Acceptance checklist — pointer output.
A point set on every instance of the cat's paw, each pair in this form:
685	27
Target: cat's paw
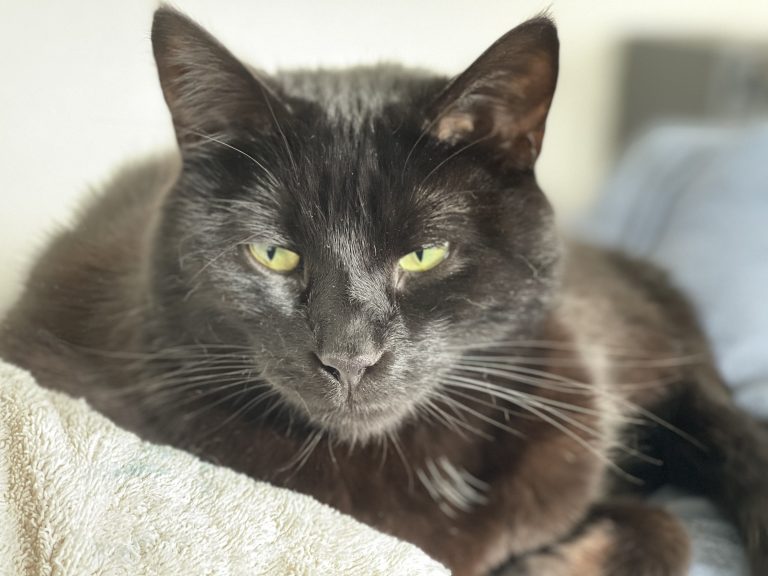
622	539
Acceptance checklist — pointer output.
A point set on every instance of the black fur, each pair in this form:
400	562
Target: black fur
482	405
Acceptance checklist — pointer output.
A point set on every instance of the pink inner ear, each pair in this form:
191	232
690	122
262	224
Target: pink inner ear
514	131
454	126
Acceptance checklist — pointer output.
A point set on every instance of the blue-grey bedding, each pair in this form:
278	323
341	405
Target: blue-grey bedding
695	201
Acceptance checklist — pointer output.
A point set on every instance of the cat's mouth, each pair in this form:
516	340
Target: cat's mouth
372	409
360	423
353	421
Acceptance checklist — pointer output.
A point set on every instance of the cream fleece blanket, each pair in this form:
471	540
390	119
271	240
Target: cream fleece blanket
79	496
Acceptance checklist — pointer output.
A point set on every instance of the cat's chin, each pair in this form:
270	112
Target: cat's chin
361	425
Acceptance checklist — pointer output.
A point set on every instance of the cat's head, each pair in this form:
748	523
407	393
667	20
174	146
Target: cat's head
355	230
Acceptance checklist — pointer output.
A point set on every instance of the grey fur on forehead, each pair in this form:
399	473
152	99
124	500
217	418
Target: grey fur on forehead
352	95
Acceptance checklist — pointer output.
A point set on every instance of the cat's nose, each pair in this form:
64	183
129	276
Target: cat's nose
348	369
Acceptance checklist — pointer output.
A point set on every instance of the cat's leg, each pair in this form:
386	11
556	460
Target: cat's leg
621	538
728	461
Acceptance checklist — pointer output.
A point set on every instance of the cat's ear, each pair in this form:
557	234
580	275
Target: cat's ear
207	89
501	101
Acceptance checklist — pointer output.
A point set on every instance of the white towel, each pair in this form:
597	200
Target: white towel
79	496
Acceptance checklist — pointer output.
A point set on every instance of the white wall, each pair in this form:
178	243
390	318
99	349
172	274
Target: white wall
79	95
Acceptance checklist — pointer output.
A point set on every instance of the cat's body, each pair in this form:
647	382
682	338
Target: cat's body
497	410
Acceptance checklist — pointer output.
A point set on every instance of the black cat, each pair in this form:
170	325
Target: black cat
351	285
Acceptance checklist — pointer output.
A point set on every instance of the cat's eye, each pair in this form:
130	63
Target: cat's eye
273	257
425	258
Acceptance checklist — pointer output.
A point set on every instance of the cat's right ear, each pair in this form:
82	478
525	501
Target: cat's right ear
209	92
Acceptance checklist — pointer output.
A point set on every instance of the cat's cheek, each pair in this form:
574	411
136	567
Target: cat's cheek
263	290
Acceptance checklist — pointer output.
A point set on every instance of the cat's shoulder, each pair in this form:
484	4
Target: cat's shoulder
621	297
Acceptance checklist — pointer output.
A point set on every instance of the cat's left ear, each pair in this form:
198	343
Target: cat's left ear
501	101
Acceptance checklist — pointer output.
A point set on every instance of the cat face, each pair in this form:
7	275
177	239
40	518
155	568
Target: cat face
355	231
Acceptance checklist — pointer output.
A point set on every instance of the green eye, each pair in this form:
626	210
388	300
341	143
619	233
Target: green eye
425	258
274	257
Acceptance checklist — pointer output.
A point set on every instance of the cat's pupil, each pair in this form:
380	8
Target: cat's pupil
271	252
419	255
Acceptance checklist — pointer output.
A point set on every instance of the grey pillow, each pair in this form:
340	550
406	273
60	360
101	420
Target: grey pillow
694	200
